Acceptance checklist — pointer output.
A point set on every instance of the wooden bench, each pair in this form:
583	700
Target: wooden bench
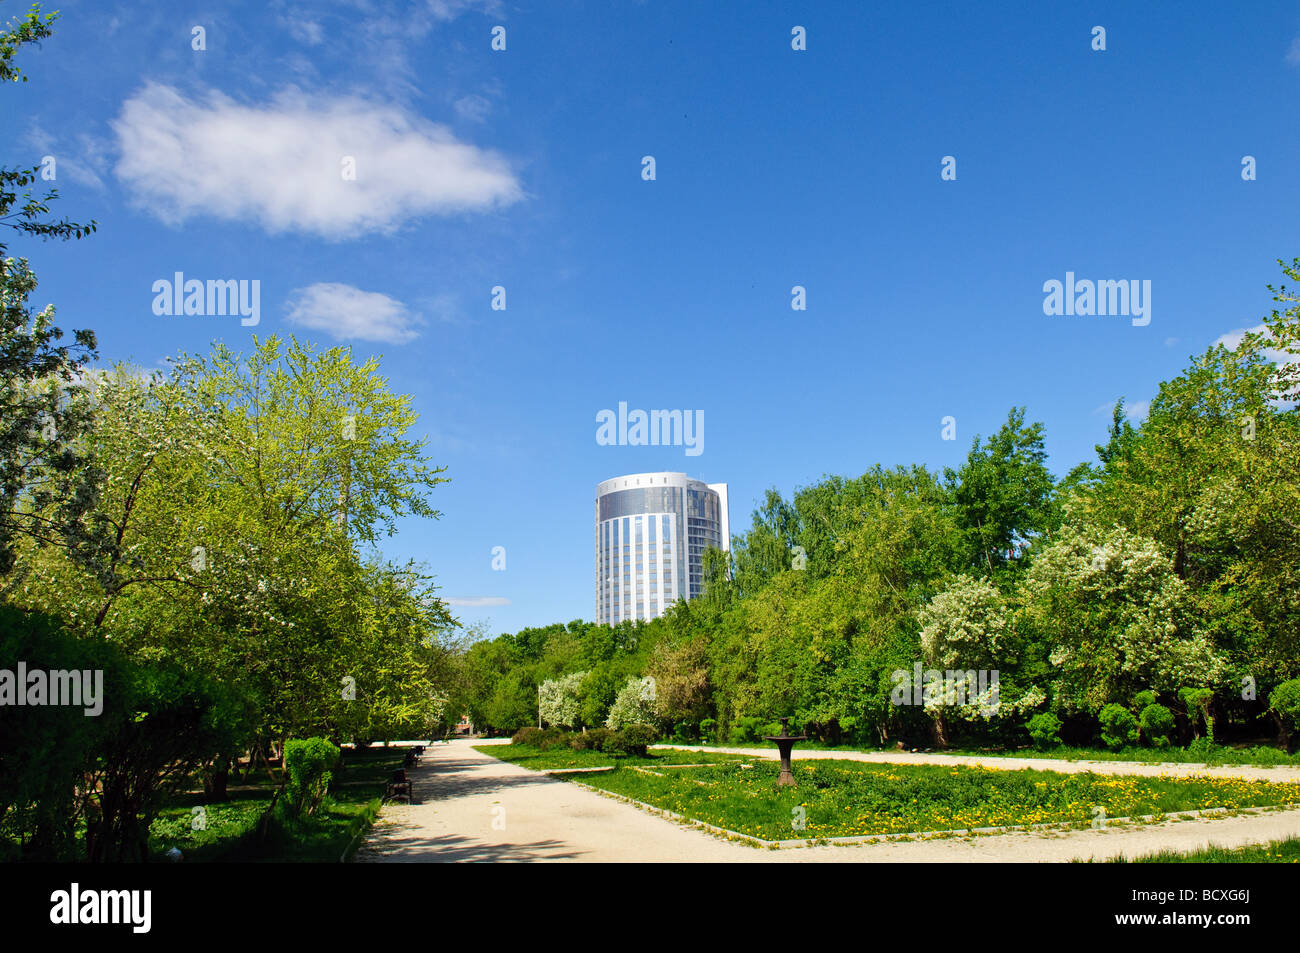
398	786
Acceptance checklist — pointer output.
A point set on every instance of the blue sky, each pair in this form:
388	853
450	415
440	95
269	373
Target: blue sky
522	168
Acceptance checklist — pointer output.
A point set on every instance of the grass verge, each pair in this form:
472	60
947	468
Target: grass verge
853	799
1286	851
228	830
559	758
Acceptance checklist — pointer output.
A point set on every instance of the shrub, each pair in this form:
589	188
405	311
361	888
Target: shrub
613	743
307	764
637	738
709	729
1143	699
1156	722
553	738
745	730
1285	704
684	732
1204	749
559	699
590	740
1043	730
527	736
1198	702
1118	727
633	705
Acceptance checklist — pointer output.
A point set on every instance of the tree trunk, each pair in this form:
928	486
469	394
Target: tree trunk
215	782
940	736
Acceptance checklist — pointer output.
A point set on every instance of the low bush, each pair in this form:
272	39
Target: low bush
745	730
1156	722
1044	730
589	740
637	738
527	736
613	743
1118	727
553	738
684	733
1284	702
307	764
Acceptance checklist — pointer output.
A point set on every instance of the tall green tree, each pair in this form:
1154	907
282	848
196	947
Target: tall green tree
46	488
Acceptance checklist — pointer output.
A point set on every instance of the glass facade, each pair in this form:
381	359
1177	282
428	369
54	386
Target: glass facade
651	533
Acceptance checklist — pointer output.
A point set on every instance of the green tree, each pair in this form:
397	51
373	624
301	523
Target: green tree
46	488
1003	494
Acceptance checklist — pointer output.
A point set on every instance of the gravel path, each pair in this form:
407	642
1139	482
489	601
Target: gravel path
472	807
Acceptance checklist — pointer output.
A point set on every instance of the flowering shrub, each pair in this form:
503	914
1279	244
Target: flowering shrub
1118	617
558	699
965	626
634	704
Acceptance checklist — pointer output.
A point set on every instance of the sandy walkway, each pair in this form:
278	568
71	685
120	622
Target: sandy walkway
471	807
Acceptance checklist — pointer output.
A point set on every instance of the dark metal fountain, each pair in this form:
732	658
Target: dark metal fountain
784	742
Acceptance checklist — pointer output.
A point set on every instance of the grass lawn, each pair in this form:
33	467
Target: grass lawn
845	798
231	826
556	758
1261	755
1275	852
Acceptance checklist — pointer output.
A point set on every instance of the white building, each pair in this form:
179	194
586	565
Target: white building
651	533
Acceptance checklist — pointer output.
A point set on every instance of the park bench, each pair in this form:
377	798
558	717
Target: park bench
398	786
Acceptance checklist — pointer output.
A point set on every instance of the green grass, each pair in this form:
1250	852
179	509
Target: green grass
559	758
1260	755
1285	851
230	834
845	798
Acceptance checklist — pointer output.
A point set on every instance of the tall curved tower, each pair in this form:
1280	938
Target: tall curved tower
651	533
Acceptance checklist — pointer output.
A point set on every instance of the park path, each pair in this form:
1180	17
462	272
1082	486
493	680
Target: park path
461	792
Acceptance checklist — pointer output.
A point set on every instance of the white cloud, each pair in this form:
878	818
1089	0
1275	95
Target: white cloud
479	602
280	164
1138	410
307	32
83	163
348	313
1233	339
1293	54
450	9
473	107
